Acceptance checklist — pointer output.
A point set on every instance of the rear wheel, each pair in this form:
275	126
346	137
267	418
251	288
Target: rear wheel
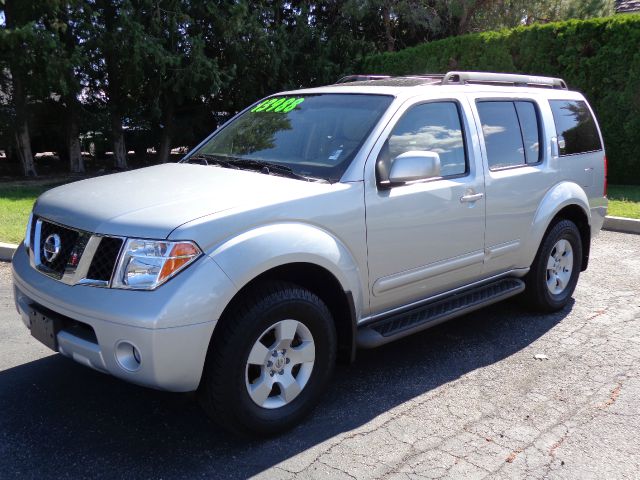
555	270
269	361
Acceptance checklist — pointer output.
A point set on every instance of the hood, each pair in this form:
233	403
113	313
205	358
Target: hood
151	202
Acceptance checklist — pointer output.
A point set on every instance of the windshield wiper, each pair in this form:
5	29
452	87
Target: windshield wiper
208	159
254	165
272	168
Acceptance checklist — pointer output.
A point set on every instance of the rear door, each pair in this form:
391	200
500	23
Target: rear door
512	133
426	237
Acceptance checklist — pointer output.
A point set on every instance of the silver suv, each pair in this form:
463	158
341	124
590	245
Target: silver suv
314	222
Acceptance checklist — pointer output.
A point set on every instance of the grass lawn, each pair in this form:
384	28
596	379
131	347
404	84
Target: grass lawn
624	201
16	203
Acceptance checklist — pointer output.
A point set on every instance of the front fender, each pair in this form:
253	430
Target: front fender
558	197
256	251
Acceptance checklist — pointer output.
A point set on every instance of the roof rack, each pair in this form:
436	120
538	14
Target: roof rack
463	78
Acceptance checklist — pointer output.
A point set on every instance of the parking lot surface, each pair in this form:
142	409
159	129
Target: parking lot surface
500	393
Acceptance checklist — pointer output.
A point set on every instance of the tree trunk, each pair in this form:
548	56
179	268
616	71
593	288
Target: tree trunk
119	149
468	11
464	19
76	162
74	149
165	146
164	150
114	92
23	144
386	17
10	153
23	139
21	133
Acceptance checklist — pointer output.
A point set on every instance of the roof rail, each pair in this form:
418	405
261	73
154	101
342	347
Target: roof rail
426	76
358	78
463	78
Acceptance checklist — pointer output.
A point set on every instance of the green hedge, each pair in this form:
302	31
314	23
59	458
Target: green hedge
599	57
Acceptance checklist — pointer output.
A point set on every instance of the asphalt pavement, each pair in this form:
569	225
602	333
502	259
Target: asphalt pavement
467	399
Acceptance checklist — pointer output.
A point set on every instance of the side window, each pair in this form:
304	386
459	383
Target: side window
434	127
576	128
528	117
511	132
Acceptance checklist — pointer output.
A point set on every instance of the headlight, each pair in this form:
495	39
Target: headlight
27	235
147	264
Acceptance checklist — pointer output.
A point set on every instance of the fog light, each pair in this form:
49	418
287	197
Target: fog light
128	356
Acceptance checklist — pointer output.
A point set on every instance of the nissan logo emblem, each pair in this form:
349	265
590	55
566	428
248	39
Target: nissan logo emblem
51	248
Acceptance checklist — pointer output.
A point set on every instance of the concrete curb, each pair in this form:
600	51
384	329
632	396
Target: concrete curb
615	224
620	224
6	251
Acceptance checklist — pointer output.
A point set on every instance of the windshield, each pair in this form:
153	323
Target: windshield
312	136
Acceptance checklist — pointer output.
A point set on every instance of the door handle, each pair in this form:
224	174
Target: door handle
471	198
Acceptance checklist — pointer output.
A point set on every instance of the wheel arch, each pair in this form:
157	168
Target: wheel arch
578	216
565	201
303	254
323	283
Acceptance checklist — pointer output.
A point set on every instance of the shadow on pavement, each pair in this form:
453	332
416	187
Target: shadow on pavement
59	419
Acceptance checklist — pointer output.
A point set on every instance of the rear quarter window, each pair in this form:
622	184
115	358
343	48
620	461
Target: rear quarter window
575	126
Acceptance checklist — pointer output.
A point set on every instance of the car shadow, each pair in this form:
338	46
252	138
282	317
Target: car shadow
59	419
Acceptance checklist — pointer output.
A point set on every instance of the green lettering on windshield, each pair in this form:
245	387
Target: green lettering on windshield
278	104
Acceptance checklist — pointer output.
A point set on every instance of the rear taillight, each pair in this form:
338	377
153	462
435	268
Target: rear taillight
606	168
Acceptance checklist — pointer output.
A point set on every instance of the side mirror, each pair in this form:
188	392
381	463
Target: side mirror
414	165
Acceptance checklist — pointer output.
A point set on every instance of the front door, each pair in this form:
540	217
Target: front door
426	237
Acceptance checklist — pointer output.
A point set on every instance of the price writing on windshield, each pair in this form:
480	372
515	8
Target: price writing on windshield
278	104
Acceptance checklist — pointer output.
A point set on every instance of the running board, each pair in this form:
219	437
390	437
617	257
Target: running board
426	316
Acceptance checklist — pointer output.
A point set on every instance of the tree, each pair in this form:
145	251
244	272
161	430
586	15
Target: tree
394	24
166	72
69	22
73	19
24	46
177	69
117	56
498	14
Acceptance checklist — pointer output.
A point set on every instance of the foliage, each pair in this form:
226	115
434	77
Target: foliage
163	73
600	57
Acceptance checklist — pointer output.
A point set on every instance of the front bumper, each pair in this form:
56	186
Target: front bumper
170	326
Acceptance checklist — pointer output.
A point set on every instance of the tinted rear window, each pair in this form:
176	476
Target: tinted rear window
577	132
502	135
528	118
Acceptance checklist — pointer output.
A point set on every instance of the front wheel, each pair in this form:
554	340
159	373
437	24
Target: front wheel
270	360
555	270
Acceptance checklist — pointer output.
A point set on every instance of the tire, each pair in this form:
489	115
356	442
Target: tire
238	371
549	285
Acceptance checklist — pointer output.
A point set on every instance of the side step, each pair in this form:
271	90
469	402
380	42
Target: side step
400	325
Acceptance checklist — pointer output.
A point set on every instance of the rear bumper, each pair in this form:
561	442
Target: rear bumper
170	327
597	218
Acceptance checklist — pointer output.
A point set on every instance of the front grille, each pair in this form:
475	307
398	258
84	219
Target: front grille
32	234
71	246
105	258
80	257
